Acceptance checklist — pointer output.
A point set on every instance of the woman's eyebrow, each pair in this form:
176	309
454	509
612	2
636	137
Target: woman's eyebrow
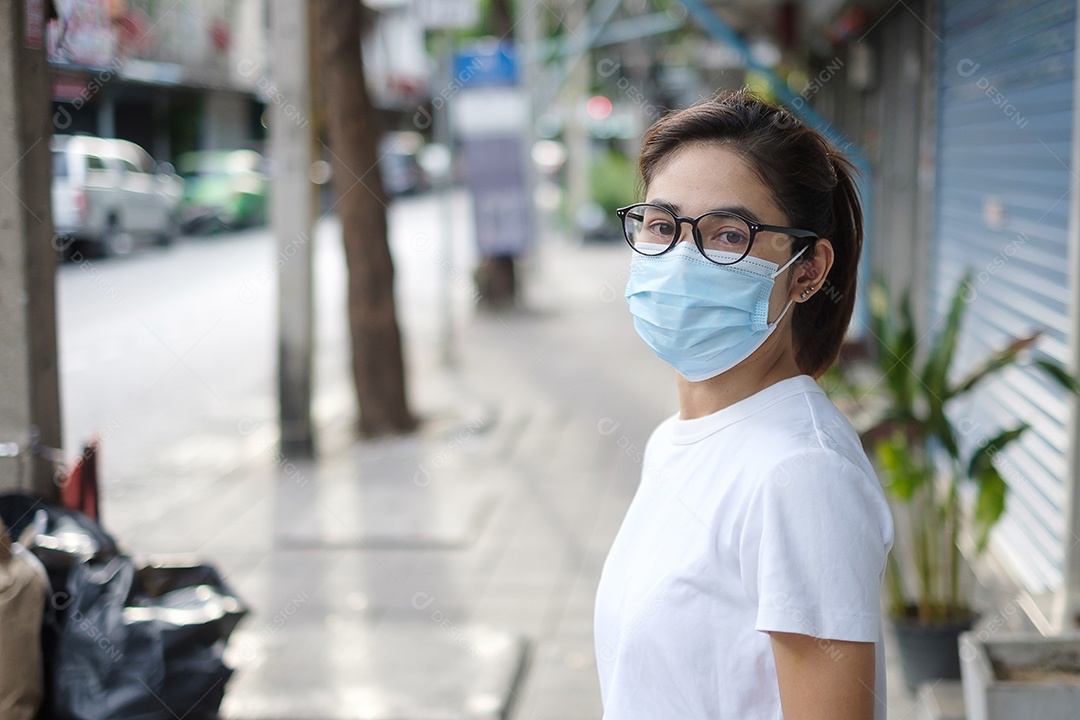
741	210
669	206
737	209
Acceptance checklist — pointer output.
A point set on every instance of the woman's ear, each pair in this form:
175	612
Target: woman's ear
810	274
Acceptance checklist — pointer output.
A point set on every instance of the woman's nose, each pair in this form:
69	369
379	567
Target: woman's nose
686	231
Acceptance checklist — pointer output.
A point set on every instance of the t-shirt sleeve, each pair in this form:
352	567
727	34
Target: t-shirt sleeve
813	547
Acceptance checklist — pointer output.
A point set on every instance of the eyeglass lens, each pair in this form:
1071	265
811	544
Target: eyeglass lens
651	231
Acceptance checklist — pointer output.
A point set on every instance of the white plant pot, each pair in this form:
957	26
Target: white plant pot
1017	676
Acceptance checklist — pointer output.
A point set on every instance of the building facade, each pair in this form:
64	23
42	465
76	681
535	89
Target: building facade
967	112
1005	211
171	77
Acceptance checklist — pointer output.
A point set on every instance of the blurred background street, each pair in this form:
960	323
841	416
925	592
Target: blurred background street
329	295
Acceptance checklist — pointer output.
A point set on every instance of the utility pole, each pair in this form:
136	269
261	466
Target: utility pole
291	125
575	133
29	381
529	55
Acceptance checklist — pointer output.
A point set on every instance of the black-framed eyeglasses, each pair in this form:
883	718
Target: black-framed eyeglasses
653	230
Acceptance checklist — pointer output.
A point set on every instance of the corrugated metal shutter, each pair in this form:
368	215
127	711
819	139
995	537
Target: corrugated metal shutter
1002	205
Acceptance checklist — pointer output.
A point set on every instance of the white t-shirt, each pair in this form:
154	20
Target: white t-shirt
764	516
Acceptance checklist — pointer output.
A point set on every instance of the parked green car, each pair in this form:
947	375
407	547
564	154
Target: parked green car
223	190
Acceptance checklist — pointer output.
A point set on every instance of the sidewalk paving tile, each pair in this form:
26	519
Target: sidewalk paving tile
391	671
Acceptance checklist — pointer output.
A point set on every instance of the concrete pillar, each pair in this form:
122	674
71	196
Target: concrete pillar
162	149
225	120
29	383
291	218
106	115
1065	614
576	90
530	35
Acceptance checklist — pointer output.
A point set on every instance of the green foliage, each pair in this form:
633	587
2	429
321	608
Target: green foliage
612	181
918	452
990	502
906	472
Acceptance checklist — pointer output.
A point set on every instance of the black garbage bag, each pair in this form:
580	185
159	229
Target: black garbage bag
68	530
142	644
57	536
121	642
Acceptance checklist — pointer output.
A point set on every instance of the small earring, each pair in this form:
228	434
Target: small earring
806	292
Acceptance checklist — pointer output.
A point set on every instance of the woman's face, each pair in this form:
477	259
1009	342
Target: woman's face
702	177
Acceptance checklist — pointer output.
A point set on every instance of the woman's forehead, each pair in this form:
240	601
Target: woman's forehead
701	177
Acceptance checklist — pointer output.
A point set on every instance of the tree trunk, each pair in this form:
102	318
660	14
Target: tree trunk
497	282
353	130
502	19
496	278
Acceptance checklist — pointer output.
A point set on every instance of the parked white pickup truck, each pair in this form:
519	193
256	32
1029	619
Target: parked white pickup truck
111	193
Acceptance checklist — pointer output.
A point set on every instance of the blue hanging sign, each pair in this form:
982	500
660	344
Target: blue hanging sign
486	64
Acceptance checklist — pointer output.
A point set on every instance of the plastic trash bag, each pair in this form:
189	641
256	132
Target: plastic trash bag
54	527
57	536
142	644
123	642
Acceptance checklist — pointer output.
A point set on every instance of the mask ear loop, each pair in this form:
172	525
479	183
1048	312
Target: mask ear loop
774	323
789	262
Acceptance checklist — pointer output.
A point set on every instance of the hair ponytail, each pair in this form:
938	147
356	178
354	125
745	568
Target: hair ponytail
820	324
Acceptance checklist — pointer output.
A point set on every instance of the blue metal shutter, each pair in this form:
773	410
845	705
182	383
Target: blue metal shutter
1005	118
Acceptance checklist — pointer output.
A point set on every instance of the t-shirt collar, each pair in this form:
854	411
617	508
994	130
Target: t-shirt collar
685	432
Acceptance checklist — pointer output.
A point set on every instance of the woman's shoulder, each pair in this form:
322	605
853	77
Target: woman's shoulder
804	422
816	453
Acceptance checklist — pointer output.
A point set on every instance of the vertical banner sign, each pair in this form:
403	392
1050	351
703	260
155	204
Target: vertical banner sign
34	23
490	117
495	174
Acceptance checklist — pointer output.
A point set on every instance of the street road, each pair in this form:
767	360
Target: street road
169	354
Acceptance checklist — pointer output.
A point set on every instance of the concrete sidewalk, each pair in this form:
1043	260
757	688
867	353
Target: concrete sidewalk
449	574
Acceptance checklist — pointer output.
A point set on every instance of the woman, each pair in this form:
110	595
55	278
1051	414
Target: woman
745	580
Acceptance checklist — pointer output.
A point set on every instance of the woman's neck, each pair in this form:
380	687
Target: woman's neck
698	399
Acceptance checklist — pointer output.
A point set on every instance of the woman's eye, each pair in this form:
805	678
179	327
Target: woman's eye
729	236
661	228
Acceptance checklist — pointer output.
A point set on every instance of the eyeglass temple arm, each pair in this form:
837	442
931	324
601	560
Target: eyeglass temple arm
794	232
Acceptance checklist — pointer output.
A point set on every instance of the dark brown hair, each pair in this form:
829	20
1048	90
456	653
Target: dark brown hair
811	182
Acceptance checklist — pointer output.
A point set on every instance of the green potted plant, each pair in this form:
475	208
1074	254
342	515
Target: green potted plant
925	462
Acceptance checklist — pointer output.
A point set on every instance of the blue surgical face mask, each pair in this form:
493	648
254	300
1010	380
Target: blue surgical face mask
702	318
